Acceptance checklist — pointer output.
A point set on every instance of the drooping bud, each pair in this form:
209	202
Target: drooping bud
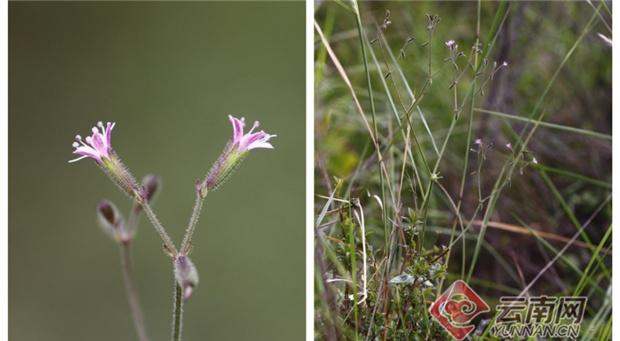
110	220
150	186
186	275
146	194
236	150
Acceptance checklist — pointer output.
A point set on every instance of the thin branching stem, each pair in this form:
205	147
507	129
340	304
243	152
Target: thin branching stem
132	290
191	227
177	318
585	132
510	165
168	243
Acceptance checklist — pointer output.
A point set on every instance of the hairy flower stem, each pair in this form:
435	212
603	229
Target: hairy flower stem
191	227
132	291
177	314
168	244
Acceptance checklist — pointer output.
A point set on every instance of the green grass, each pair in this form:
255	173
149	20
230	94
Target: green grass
398	114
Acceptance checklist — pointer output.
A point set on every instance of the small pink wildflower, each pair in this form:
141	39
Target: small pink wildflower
451	44
236	150
244	142
96	146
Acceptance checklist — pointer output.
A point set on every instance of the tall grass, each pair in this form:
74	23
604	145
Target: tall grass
426	173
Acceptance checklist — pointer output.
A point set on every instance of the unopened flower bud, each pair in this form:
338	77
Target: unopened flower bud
110	220
185	274
236	150
150	186
146	194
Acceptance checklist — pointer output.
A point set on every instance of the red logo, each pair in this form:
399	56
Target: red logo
456	307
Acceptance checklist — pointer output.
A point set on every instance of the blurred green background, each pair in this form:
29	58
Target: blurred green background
168	74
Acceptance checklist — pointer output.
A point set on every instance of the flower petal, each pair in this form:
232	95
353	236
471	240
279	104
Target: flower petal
237	128
98	143
96	146
86	151
108	134
78	159
255	145
258	140
248	139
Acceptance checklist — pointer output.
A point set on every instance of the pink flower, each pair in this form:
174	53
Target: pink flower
96	146
244	142
236	150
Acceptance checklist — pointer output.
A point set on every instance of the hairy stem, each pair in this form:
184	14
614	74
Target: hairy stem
132	291
159	228
177	314
189	232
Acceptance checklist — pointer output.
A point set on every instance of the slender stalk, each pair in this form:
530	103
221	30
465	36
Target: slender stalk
177	314
585	132
382	178
507	170
132	291
159	228
189	232
576	176
358	105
